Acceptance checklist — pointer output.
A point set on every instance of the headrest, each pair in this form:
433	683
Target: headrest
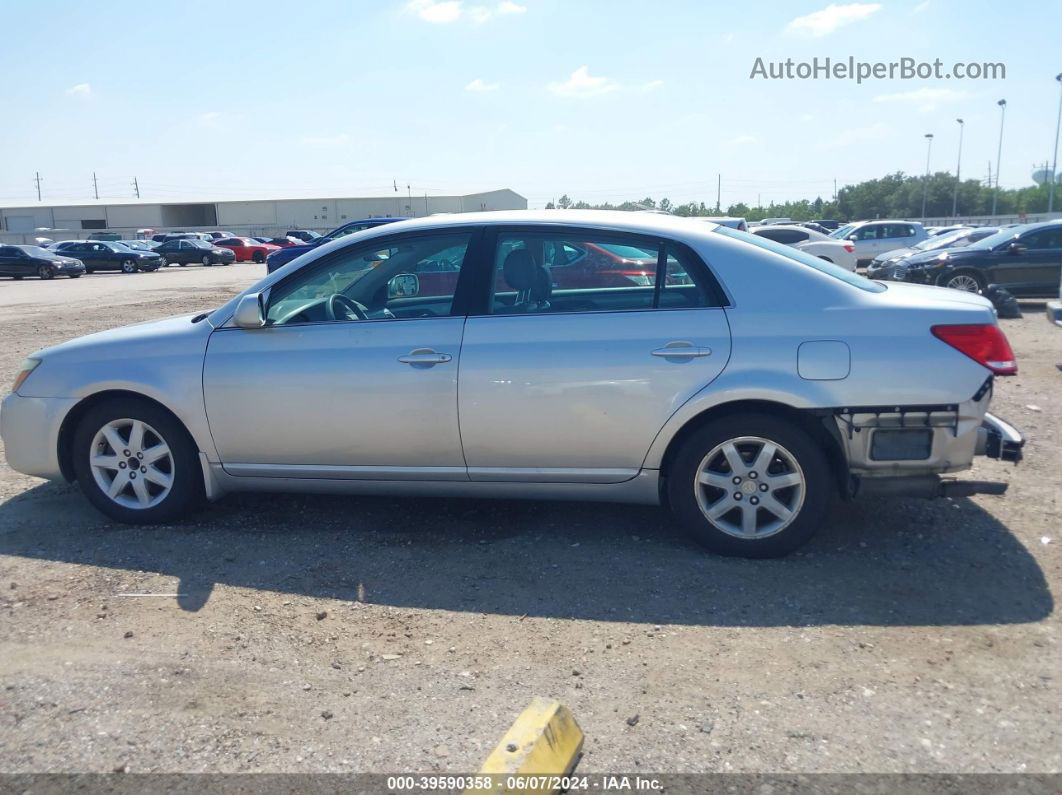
521	272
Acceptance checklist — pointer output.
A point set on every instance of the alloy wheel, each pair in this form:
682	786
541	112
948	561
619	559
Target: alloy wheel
963	282
750	487
131	463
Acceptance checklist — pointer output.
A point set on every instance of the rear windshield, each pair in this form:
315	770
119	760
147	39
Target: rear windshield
817	263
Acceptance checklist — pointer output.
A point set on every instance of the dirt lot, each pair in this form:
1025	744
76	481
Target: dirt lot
293	633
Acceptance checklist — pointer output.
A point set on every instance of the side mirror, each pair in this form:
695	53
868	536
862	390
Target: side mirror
852	238
250	312
1015	249
404	285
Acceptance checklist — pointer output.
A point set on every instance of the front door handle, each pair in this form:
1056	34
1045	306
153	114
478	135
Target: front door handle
425	357
682	350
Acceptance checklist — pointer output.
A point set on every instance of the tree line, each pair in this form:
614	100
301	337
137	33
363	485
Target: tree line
894	196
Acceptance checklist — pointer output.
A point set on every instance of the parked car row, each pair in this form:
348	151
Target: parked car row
1025	260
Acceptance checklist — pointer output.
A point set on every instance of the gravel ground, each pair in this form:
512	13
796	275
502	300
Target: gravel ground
313	634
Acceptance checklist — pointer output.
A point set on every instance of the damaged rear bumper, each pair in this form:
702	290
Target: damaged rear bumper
999	439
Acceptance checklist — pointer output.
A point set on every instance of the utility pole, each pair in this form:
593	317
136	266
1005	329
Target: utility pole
719	193
95	186
925	187
38	181
136	187
835	189
958	165
409	198
425	204
999	152
1054	166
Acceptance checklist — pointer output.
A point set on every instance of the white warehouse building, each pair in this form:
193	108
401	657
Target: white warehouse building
246	217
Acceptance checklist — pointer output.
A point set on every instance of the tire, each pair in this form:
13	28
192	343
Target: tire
1006	304
258	257
163	262
17	278
153	501
128	266
75	276
798	464
970	279
90	270
207	262
44	272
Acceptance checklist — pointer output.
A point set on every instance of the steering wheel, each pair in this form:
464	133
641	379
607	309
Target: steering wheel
350	307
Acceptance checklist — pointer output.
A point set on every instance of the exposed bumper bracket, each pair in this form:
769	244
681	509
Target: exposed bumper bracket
999	439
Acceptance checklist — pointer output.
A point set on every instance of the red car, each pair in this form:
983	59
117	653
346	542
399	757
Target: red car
286	242
247	249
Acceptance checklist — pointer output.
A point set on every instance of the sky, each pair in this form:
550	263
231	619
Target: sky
604	101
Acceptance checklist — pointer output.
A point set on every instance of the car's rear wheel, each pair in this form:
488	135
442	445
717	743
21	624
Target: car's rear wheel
45	272
258	257
750	485
163	262
136	463
206	261
967	281
128	266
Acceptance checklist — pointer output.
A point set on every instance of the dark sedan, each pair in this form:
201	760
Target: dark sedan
187	252
20	261
106	255
288	253
1026	260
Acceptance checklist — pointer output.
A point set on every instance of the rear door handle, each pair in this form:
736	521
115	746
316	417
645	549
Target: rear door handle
425	356
682	350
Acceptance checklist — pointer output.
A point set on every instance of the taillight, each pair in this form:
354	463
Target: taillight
982	342
849	247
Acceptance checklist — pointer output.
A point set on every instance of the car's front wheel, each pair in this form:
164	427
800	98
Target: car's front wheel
751	485
45	272
136	463
207	261
258	257
967	281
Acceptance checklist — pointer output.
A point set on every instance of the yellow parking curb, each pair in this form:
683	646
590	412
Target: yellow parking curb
544	741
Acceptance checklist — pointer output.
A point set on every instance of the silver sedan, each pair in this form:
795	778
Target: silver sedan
547	355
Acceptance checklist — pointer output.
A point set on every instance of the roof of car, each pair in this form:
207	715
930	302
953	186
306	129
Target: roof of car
614	219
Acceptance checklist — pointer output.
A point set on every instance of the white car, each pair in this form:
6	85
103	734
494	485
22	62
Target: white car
839	252
876	237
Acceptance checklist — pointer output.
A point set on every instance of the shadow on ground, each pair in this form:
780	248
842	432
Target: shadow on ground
876	562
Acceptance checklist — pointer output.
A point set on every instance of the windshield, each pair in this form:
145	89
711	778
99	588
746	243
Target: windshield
999	238
817	263
37	251
946	240
843	232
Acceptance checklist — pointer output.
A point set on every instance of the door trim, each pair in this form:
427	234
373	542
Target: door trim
331	472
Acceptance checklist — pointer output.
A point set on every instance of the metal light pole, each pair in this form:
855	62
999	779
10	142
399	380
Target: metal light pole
999	152
1054	166
925	188
958	166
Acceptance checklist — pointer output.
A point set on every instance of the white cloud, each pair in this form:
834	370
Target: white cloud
326	140
438	12
81	91
806	117
927	99
212	118
581	84
480	85
918	9
652	85
743	139
445	11
859	135
727	37
826	20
